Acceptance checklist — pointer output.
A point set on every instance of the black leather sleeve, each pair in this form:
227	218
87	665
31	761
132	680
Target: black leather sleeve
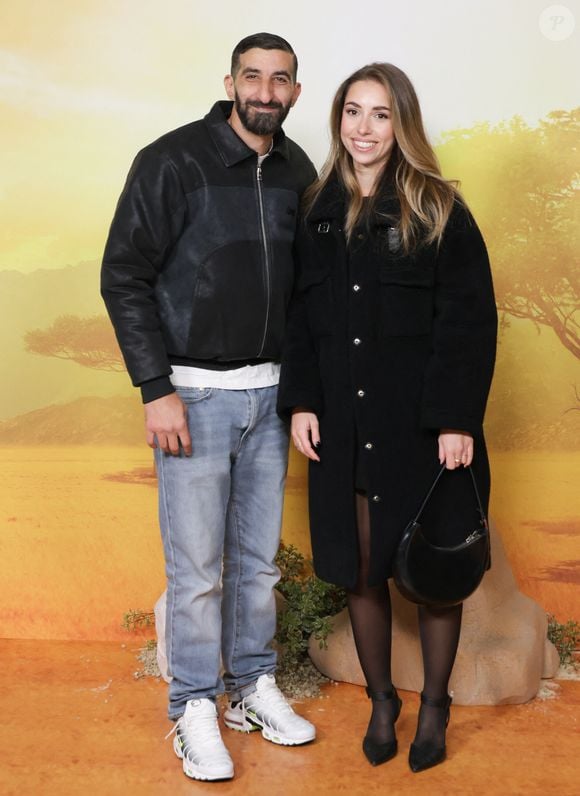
148	219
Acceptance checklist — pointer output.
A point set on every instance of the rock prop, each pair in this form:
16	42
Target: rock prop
503	651
160	611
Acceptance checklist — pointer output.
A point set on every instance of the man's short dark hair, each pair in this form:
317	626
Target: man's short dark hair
263	41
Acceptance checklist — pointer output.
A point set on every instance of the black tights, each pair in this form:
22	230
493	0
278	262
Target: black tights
370	615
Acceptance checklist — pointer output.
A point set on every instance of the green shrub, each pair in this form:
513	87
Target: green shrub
310	603
565	637
135	620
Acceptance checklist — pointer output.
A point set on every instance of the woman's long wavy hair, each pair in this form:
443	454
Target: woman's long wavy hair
425	197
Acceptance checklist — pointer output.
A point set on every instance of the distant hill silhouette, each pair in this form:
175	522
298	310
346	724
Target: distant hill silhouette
32	301
86	421
532	392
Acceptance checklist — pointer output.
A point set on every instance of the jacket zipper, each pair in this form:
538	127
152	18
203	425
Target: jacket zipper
266	258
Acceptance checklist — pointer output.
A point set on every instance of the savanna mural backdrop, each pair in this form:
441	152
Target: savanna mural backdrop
83	87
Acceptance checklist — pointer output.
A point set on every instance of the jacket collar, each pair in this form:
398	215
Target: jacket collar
331	203
230	146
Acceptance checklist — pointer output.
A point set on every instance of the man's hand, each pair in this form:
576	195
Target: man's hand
166	424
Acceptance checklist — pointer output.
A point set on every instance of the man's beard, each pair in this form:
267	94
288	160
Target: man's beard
261	123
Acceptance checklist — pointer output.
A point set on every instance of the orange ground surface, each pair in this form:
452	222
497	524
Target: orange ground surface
73	720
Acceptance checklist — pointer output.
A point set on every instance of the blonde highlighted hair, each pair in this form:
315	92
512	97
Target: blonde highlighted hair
425	197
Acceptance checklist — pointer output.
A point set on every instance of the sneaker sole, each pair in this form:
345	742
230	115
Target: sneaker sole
248	724
193	772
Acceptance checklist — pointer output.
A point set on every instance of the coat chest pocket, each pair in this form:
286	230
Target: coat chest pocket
406	300
315	288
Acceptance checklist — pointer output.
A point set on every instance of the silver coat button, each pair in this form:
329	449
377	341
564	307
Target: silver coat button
369	446
357	341
356	288
361	393
376	498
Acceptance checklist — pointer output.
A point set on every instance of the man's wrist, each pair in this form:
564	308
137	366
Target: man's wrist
156	388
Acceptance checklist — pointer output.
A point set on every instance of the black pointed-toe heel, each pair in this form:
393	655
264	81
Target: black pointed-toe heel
427	755
377	753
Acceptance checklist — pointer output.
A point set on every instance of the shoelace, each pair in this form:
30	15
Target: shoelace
275	697
206	726
171	731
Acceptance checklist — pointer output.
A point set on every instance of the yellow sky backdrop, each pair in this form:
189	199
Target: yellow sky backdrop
83	85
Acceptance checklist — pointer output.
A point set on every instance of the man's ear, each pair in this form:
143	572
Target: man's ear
296	93
229	86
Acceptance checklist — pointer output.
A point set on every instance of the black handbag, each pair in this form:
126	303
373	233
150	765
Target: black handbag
441	576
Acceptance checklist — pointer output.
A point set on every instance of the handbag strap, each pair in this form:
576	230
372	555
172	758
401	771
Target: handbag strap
434	484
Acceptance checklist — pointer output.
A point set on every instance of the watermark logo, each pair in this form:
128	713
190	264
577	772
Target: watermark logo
556	23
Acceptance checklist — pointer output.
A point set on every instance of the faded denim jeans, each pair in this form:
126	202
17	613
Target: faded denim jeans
220	513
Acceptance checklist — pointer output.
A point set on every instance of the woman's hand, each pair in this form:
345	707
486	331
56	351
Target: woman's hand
305	433
455	448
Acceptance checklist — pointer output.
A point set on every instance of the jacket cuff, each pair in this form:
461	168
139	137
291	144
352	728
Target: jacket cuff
432	419
291	399
156	388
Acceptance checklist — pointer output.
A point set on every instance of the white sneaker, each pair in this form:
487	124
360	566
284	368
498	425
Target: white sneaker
267	709
199	744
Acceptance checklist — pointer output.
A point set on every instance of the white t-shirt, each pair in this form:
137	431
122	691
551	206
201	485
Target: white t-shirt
248	377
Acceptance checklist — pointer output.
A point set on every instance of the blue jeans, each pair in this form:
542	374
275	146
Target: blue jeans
220	512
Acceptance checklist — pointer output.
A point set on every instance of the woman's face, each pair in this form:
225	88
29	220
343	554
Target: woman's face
366	130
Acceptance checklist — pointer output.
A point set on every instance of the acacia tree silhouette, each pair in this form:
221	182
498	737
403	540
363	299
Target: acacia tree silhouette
88	341
530	214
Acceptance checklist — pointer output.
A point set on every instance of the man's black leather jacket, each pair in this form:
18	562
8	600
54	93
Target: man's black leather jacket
198	266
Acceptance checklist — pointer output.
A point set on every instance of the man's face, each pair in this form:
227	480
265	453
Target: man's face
263	89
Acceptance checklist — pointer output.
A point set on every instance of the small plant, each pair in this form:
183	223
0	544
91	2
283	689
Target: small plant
566	638
310	604
135	620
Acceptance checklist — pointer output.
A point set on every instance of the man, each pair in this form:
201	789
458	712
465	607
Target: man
197	274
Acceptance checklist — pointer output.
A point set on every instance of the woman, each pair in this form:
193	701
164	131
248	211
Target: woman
386	371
